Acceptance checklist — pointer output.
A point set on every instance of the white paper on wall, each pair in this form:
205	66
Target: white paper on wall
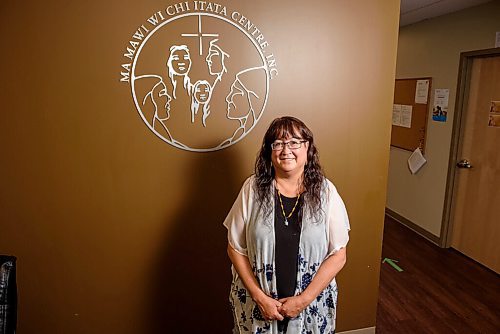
440	109
416	161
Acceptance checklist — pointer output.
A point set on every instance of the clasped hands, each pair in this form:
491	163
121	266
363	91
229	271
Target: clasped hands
289	307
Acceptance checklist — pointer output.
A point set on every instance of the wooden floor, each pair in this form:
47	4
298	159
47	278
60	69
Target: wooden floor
439	291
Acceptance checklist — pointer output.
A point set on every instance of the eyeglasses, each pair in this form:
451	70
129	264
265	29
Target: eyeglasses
292	144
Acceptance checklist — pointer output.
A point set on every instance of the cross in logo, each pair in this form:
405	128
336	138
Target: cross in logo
200	35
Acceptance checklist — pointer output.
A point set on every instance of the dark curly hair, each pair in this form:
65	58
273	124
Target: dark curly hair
281	128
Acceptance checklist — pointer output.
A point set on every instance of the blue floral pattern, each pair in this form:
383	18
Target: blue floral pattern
320	314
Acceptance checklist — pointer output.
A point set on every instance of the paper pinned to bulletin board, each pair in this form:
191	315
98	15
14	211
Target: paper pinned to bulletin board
422	91
401	115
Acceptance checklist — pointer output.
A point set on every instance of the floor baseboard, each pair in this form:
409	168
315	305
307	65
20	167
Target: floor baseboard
367	330
412	226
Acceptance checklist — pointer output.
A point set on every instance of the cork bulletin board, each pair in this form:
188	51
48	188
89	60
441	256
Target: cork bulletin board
411	101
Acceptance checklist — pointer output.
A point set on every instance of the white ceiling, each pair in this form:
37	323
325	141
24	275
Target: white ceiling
413	11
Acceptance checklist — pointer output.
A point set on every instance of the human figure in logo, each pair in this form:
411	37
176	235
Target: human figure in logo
155	105
200	97
216	61
179	64
244	101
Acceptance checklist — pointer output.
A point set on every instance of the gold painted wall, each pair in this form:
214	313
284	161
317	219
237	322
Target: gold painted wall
117	232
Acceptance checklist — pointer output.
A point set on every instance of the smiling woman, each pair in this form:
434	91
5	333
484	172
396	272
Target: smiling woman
287	237
289	156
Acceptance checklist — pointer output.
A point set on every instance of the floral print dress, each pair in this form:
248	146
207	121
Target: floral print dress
251	233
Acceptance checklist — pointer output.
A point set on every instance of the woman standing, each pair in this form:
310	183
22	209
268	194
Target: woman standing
287	233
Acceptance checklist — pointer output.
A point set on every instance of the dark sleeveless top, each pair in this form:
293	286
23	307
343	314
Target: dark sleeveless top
287	240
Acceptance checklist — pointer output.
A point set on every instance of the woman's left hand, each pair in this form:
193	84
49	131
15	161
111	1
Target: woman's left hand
292	306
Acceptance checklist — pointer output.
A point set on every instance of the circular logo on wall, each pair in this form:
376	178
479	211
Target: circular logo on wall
199	75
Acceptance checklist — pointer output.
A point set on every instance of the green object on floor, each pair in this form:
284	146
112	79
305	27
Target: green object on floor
393	264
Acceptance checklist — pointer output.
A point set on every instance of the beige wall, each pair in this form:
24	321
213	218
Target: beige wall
432	48
116	231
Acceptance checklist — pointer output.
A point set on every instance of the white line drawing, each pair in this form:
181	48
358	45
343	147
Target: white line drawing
202	92
200	35
179	64
247	112
243	111
160	100
216	61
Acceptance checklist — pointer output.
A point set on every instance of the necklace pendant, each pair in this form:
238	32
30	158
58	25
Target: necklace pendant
286	222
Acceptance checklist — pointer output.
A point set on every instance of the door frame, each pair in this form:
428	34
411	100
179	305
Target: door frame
461	101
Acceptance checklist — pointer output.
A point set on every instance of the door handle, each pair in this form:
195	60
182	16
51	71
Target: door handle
464	163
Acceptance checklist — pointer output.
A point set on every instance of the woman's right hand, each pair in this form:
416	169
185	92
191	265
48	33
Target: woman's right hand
269	307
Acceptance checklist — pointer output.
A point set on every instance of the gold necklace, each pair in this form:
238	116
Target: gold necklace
283	209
